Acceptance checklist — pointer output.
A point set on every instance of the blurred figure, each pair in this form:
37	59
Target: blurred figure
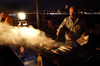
75	25
44	20
48	18
7	18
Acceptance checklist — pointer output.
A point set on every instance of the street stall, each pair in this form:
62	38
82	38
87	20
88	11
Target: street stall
59	53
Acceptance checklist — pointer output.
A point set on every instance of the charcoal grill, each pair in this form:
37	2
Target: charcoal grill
62	58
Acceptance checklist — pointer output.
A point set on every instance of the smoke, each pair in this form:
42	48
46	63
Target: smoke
22	35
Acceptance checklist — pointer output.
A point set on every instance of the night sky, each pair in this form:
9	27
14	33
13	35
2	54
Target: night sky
49	4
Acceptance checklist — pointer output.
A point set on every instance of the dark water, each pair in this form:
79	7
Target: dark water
57	19
54	18
92	20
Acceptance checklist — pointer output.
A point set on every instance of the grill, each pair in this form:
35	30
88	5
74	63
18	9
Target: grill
57	52
59	55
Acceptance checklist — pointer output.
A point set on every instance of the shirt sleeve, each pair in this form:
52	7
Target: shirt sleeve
62	24
8	20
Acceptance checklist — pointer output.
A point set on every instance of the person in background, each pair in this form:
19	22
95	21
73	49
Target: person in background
48	18
43	20
7	18
75	26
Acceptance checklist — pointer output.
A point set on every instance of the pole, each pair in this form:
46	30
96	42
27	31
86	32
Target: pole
37	12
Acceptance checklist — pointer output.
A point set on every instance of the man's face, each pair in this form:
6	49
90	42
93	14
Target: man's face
72	12
3	15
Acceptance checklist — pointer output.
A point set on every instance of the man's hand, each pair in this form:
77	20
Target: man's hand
57	33
85	37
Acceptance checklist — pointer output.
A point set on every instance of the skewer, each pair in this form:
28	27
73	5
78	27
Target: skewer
54	51
63	47
68	46
47	48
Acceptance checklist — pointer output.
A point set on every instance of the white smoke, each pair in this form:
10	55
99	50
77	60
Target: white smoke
16	35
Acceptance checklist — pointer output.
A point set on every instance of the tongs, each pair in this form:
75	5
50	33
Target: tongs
56	38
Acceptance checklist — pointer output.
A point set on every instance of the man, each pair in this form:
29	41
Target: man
75	25
7	18
49	21
47	18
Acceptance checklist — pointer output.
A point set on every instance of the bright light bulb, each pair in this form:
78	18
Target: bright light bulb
22	16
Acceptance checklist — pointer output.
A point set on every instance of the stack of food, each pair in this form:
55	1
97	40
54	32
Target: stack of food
57	49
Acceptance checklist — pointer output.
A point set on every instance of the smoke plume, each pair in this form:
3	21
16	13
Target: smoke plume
18	35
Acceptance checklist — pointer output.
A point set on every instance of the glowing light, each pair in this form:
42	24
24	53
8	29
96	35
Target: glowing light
21	16
66	6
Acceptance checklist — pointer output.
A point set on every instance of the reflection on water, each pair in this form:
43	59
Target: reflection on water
54	18
57	19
